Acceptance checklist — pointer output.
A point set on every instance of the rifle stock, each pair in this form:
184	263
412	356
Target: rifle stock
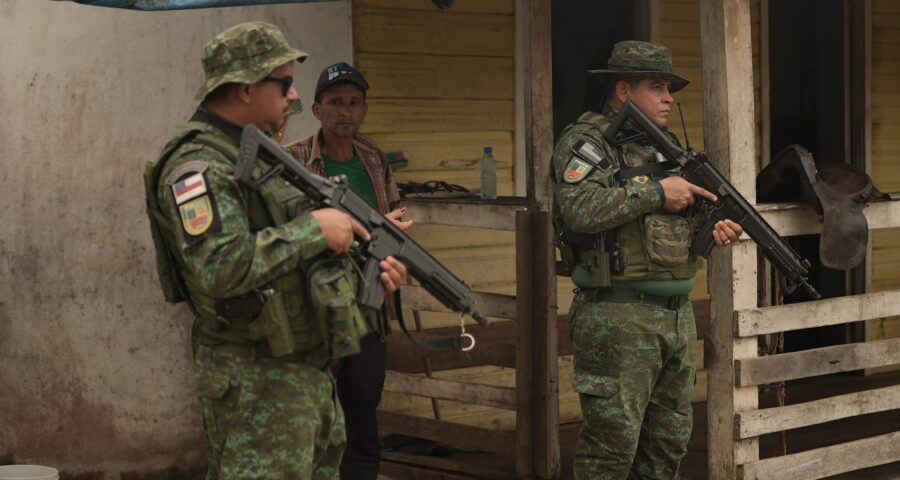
386	239
697	169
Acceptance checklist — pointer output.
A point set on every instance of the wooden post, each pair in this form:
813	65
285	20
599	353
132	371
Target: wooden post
538	102
525	344
729	136
537	376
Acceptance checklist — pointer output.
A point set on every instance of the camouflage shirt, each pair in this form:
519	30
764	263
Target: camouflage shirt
652	244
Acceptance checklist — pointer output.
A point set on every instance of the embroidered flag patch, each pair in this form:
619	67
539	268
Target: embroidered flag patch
196	215
592	154
576	170
189	188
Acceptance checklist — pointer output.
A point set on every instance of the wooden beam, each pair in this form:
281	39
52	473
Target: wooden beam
495	305
424	467
497	214
465	392
827	461
768	420
538	88
537	376
451	433
406	357
729	137
389	469
790	219
525	346
817	361
832	311
546	357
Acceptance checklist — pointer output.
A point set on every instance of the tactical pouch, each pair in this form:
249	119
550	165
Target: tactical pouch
592	271
273	325
667	239
332	291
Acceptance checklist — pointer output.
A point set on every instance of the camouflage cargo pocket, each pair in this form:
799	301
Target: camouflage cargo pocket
667	239
595	385
332	287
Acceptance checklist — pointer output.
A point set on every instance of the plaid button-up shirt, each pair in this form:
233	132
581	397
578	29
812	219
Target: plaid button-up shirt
387	196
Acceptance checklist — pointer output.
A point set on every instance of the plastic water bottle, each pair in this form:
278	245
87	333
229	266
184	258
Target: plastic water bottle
488	174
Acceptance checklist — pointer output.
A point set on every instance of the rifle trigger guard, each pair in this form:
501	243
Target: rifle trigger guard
471	339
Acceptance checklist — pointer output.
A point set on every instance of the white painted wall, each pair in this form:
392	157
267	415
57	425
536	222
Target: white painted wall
95	372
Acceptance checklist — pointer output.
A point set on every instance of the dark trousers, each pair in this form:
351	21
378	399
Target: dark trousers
360	379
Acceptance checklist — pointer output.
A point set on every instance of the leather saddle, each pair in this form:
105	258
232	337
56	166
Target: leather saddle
838	191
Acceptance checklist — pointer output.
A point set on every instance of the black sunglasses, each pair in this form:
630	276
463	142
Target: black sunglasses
285	82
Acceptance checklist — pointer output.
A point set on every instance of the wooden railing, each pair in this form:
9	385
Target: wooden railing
756	371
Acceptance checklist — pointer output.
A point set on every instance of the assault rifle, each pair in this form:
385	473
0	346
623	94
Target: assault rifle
697	169
387	239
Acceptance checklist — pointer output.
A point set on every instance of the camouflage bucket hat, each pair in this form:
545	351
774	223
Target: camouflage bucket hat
634	58
245	53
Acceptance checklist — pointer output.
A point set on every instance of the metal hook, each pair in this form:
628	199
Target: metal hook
470	337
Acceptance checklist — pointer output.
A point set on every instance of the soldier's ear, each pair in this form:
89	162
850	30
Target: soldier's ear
622	90
244	92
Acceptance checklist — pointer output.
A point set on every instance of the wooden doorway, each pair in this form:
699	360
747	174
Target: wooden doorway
810	71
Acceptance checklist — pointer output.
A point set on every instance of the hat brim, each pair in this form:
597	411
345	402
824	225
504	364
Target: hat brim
250	76
678	82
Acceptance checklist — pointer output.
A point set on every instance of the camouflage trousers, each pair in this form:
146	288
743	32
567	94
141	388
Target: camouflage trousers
265	418
634	373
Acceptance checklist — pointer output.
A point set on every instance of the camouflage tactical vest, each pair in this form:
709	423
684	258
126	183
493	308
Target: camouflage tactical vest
654	247
310	313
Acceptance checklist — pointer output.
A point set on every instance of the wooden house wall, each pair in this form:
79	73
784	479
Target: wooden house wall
885	172
442	86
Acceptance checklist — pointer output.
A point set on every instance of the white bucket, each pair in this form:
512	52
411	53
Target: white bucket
28	472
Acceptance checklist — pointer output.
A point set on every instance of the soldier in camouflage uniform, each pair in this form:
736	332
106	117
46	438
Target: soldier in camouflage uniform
624	234
265	272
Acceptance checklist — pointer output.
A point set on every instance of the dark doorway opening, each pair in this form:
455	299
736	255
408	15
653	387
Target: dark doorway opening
807	80
584	32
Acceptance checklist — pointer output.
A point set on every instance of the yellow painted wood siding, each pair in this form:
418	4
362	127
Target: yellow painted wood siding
885	150
442	86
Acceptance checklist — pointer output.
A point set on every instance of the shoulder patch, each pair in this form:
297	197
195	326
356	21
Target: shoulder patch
188	181
591	154
197	216
577	170
194	200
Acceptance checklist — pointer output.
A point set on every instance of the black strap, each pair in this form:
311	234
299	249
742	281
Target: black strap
444	343
646	169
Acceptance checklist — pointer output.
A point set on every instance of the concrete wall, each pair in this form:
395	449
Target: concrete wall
95	372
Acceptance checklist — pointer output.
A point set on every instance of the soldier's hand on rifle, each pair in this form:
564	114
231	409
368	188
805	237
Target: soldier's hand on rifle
393	274
726	232
680	193
338	228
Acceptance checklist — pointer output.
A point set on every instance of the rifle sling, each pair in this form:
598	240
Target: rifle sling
444	343
647	169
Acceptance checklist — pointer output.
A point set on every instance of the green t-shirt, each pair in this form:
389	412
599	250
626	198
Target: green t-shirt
357	176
